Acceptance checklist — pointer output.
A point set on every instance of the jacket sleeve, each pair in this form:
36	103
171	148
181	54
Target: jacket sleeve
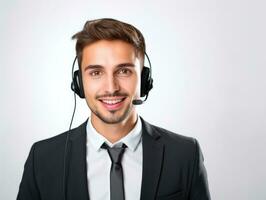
28	189
199	185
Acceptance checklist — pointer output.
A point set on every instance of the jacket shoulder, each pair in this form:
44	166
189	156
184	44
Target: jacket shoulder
54	139
176	145
170	137
57	142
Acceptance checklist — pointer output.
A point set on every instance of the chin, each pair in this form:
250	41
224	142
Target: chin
114	116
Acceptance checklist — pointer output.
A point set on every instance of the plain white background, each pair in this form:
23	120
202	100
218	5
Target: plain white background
208	60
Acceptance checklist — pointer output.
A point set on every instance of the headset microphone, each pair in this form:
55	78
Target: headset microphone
137	102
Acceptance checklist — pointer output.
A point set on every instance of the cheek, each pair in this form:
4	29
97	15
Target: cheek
90	88
132	86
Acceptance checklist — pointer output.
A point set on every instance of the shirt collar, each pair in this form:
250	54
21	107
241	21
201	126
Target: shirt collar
132	139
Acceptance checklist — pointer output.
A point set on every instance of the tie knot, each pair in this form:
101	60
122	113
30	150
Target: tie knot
115	153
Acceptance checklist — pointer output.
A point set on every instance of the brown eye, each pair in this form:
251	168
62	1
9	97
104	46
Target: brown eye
95	73
124	72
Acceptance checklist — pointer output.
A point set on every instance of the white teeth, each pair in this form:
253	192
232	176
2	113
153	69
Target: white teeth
111	102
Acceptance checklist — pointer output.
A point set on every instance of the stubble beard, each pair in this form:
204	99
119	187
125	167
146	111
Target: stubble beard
112	118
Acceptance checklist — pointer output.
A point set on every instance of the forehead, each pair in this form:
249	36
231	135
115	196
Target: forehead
104	52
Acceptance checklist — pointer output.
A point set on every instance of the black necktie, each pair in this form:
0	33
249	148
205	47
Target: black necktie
116	173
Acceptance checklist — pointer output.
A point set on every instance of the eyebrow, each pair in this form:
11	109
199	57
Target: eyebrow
117	66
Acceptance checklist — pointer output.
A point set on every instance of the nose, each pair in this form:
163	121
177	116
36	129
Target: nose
112	84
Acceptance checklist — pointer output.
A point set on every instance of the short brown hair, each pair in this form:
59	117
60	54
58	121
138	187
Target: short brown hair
109	29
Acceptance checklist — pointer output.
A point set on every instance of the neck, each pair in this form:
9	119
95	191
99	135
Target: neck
114	132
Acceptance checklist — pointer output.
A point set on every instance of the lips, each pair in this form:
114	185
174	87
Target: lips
112	103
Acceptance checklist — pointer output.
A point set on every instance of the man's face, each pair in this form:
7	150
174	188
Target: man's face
111	79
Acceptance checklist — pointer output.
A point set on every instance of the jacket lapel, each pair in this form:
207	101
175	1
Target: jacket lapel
153	152
76	172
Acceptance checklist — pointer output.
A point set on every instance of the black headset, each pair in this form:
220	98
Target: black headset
146	81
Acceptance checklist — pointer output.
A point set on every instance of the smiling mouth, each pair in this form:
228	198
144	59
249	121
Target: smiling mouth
113	103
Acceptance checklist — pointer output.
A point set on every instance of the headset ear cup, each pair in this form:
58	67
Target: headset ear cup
77	85
146	82
82	94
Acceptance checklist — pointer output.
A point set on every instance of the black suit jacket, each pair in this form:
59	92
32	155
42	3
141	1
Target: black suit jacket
172	167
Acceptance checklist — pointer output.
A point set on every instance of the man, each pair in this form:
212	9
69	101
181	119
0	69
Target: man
114	154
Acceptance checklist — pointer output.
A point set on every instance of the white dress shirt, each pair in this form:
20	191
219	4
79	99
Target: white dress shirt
99	163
